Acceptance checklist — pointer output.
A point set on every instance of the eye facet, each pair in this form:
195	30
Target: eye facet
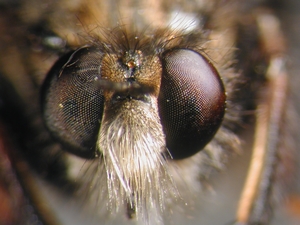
191	103
72	102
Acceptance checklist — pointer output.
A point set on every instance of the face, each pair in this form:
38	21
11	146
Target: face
123	112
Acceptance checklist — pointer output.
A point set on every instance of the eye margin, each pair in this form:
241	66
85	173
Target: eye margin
54	71
173	145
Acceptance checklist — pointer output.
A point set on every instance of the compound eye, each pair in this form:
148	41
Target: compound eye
191	103
72	102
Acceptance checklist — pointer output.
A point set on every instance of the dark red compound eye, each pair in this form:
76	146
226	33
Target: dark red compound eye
72	102
191	103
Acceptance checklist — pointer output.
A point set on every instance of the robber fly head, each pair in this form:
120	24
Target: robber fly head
135	109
